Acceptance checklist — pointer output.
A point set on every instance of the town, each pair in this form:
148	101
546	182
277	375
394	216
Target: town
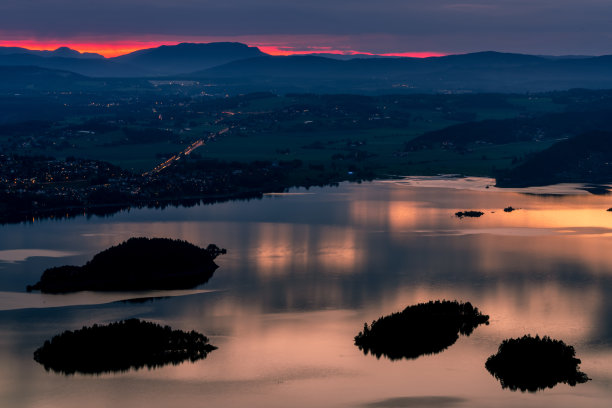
176	144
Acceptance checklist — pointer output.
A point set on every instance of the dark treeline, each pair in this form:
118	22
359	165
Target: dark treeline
503	131
534	363
585	158
42	187
425	328
120	346
136	264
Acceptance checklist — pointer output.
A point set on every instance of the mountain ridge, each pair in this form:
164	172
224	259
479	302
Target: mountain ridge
476	72
241	68
186	57
65	52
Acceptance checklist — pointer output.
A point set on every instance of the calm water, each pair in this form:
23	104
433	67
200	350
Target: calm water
303	272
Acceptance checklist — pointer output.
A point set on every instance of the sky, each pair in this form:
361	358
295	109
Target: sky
406	27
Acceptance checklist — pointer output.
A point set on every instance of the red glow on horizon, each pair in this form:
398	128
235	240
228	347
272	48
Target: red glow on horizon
114	49
273	50
109	50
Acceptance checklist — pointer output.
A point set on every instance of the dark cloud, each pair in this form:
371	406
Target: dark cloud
554	26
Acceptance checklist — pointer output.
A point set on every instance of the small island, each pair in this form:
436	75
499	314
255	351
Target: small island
468	213
425	328
120	346
136	264
534	363
510	209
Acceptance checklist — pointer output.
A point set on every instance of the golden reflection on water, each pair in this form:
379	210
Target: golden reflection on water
532	212
278	246
281	246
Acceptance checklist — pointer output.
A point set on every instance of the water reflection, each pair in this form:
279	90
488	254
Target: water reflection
302	274
282	248
16	255
420	402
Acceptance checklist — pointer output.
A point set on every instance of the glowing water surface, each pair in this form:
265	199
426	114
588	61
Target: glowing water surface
304	272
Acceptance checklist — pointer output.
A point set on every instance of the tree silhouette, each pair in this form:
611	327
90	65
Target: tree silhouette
534	363
469	213
120	346
425	328
136	264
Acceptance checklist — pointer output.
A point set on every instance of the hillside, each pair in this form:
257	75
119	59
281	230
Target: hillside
586	158
84	66
238	68
503	131
23	78
160	61
187	57
476	72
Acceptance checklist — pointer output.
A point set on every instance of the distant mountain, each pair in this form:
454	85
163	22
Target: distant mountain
63	52
85	66
21	78
239	68
188	57
476	72
25	79
586	158
161	61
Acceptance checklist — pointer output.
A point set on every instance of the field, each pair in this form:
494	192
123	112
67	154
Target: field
363	135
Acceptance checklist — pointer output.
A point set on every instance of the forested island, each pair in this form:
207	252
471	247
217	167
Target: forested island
534	363
424	328
136	264
469	214
120	346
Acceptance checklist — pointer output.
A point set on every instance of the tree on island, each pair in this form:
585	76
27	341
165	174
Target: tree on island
121	346
136	264
425	328
534	363
469	213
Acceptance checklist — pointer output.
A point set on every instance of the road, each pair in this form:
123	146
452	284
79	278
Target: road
186	152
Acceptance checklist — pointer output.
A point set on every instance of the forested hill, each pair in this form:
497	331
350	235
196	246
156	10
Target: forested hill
586	158
502	131
241	69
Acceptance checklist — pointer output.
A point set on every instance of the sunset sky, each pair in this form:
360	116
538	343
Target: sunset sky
415	27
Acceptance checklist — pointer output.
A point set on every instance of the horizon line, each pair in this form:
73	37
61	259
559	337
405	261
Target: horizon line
116	49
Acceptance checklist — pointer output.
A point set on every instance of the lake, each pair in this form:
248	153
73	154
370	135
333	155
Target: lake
304	271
